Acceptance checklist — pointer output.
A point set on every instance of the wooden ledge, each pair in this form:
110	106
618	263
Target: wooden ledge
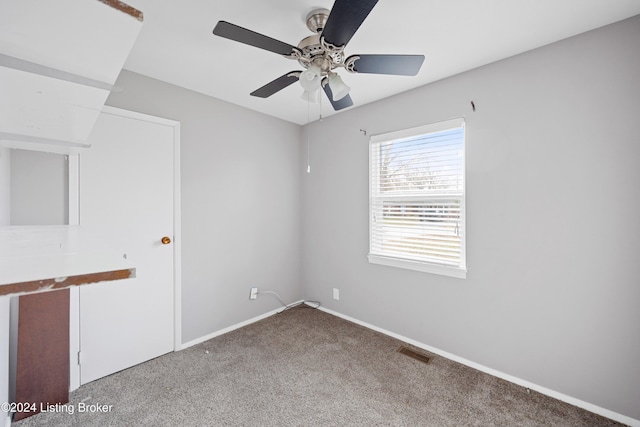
123	7
65	282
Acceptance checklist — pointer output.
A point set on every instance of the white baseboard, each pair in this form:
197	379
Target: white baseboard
543	390
234	327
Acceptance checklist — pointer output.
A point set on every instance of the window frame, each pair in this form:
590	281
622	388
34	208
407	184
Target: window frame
459	271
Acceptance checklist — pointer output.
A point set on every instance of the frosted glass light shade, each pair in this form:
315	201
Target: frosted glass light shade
338	89
310	78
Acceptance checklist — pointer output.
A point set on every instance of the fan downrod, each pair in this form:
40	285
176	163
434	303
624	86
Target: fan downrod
316	20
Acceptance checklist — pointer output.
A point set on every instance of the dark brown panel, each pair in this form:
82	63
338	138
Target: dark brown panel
42	374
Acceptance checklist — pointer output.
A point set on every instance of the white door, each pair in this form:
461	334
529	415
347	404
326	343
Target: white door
126	198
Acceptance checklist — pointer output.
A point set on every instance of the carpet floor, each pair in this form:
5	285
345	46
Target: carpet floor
305	367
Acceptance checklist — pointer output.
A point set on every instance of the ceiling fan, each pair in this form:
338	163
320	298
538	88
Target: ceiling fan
323	52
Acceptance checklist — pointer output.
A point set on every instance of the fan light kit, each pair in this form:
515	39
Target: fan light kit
323	52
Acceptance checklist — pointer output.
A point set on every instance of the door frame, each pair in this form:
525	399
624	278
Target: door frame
74	219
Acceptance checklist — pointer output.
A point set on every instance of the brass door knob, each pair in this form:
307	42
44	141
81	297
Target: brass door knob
165	240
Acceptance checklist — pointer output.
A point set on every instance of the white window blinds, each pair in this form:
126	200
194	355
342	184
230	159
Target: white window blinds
417	198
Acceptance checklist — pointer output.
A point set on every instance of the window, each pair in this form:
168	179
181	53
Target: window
416	200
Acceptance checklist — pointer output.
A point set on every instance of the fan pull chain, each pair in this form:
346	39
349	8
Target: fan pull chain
308	132
320	107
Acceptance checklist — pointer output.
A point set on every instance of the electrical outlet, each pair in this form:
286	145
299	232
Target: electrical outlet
254	293
336	293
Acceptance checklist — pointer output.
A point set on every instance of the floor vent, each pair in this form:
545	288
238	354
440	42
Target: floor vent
414	354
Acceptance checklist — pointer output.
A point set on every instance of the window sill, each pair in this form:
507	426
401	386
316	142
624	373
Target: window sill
460	273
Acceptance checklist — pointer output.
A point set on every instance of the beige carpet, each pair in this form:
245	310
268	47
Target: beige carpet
305	367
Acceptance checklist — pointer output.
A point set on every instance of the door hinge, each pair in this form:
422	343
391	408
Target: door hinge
79	358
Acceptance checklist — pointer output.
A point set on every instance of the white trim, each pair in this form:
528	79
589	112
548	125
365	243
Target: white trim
463	202
418	130
7	421
177	241
425	267
74	292
515	380
107	109
234	327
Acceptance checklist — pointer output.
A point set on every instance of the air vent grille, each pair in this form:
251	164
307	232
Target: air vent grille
414	354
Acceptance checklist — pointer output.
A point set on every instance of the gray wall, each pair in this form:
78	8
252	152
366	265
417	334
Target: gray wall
240	203
39	188
553	287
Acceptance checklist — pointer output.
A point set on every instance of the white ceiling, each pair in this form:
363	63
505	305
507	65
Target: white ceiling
176	43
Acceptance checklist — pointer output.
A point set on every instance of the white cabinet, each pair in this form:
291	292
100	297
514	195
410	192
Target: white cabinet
58	62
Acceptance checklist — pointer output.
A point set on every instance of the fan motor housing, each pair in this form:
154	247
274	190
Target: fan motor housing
310	46
313	51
